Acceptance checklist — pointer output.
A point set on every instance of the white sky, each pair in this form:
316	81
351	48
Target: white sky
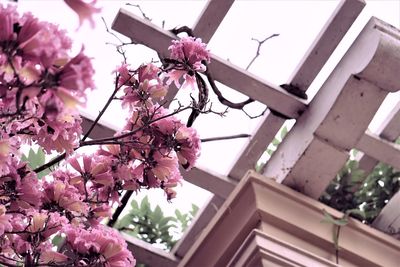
297	22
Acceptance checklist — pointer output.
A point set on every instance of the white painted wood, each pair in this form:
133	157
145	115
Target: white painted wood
209	180
197	226
148	254
340	112
325	43
388	220
210	18
380	149
259	246
260	138
222	70
390	128
314	59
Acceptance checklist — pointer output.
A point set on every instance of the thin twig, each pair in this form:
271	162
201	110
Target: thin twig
141	11
120	46
260	43
110	99
225	137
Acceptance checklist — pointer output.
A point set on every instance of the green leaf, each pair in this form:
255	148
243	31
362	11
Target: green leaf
355	212
36	159
166	220
145	204
330	219
157	215
124	222
194	210
275	142
284	132
57	241
134	204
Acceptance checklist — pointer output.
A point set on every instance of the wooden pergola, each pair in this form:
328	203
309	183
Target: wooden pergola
327	127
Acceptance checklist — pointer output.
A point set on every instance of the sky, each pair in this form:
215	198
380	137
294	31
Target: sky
296	22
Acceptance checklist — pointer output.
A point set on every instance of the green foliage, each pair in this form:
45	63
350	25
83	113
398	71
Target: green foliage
272	147
36	159
363	196
152	226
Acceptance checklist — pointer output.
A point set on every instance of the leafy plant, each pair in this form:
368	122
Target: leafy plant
152	226
351	190
271	148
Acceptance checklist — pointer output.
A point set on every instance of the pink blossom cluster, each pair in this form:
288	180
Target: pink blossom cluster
40	87
191	56
40	84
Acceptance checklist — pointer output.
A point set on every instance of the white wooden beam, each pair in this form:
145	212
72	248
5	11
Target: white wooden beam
210	18
388	130
317	146
197	226
310	65
146	33
380	149
327	40
209	180
388	220
148	254
260	138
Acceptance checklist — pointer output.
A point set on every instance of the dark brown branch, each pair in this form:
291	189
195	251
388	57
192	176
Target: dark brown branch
221	98
255	116
120	208
185	29
199	106
225	137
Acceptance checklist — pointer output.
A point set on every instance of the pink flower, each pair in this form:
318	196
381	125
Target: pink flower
8	147
84	10
52	257
42	42
187	147
148	89
29	191
191	55
59	195
101	245
8	17
60	133
190	50
77	75
125	76
5	224
93	170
